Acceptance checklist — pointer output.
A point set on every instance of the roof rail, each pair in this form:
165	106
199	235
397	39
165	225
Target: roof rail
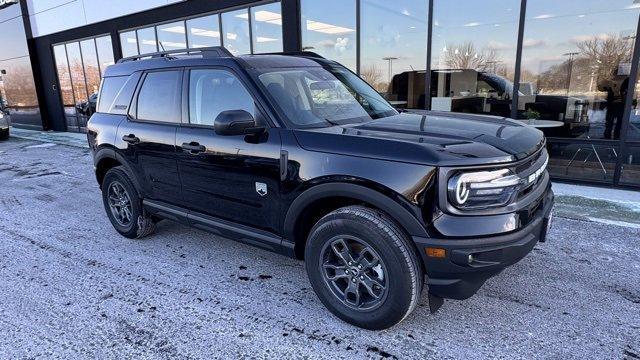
208	52
297	53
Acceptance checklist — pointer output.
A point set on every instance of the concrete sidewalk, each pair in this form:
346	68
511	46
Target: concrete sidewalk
609	206
60	138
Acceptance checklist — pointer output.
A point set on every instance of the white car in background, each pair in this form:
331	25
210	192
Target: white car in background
4	126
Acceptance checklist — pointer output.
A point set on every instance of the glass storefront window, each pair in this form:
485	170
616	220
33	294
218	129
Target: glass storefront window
393	41
235	27
64	78
473	55
91	67
147	40
77	72
584	161
105	52
203	32
129	43
575	66
330	33
172	36
633	131
630	174
266	22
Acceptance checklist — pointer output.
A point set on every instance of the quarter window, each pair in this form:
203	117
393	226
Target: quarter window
160	97
214	91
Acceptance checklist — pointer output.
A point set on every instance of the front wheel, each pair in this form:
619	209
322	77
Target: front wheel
123	205
363	267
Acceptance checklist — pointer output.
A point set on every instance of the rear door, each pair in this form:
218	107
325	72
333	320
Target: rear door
148	136
234	178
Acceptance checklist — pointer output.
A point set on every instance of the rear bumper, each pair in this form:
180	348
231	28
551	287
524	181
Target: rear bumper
456	277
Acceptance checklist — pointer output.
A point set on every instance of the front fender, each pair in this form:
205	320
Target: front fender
358	192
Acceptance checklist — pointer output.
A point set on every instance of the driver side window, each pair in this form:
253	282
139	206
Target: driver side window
212	91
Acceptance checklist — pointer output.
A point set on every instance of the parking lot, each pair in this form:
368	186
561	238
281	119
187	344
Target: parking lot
71	287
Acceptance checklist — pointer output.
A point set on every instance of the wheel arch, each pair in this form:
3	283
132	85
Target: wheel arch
323	198
107	158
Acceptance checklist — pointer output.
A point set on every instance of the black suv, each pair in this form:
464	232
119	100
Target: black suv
296	154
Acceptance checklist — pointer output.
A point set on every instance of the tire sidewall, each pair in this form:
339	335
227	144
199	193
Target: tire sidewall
400	286
117	174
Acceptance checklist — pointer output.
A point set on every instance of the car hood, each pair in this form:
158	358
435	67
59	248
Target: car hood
430	138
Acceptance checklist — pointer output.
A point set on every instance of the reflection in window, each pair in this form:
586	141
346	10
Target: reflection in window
129	43
147	40
235	27
91	70
64	78
630	174
160	97
633	132
105	52
575	66
583	161
473	55
77	72
266	21
331	33
393	49
214	91
204	32
172	36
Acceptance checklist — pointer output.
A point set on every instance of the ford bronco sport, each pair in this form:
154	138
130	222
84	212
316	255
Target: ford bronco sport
296	154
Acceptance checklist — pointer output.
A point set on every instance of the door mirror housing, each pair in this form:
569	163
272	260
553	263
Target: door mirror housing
236	122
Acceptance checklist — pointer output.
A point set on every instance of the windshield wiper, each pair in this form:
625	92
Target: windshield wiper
331	122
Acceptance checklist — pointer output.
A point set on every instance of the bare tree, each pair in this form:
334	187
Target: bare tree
373	75
606	53
466	56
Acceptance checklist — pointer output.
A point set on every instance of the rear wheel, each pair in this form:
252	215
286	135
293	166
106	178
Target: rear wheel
363	267
123	205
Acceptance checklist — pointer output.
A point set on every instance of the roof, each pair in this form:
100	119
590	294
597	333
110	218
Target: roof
213	56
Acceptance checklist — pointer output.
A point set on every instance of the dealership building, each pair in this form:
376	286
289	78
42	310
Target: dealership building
569	68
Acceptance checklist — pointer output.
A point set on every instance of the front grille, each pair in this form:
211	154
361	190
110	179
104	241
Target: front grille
529	168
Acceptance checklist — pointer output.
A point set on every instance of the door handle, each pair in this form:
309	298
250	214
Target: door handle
131	139
193	147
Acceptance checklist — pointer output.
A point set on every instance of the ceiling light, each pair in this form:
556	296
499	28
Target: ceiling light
268	17
262	39
324	28
544	16
205	32
178	29
472	24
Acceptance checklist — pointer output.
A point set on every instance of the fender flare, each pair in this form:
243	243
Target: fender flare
381	201
112	154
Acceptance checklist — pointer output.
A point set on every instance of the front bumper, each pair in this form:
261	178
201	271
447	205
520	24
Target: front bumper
469	262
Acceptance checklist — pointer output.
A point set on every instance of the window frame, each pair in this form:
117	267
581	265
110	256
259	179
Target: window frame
261	110
132	113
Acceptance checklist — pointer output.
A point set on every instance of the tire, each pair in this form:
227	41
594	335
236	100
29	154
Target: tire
140	223
369	235
4	135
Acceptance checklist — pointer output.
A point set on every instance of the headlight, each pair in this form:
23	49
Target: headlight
483	189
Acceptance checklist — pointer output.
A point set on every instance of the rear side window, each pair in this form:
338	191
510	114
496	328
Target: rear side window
116	92
111	86
160	97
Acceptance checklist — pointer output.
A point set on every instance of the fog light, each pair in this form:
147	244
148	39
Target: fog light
470	259
436	252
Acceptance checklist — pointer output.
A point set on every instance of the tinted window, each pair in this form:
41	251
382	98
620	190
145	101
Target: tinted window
214	91
110	89
160	97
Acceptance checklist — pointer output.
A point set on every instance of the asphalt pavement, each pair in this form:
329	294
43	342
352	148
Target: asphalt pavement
71	287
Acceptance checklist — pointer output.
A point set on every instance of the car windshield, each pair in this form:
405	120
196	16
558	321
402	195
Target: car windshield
318	96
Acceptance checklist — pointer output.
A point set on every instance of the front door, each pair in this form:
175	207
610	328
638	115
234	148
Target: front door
233	178
148	136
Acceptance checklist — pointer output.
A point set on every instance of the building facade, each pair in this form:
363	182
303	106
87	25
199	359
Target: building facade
569	68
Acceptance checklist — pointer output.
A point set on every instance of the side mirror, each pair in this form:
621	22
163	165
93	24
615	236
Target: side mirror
236	122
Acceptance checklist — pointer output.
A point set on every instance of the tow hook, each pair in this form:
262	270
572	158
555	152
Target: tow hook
435	302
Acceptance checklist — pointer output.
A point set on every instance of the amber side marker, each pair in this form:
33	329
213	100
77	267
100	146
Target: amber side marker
436	252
